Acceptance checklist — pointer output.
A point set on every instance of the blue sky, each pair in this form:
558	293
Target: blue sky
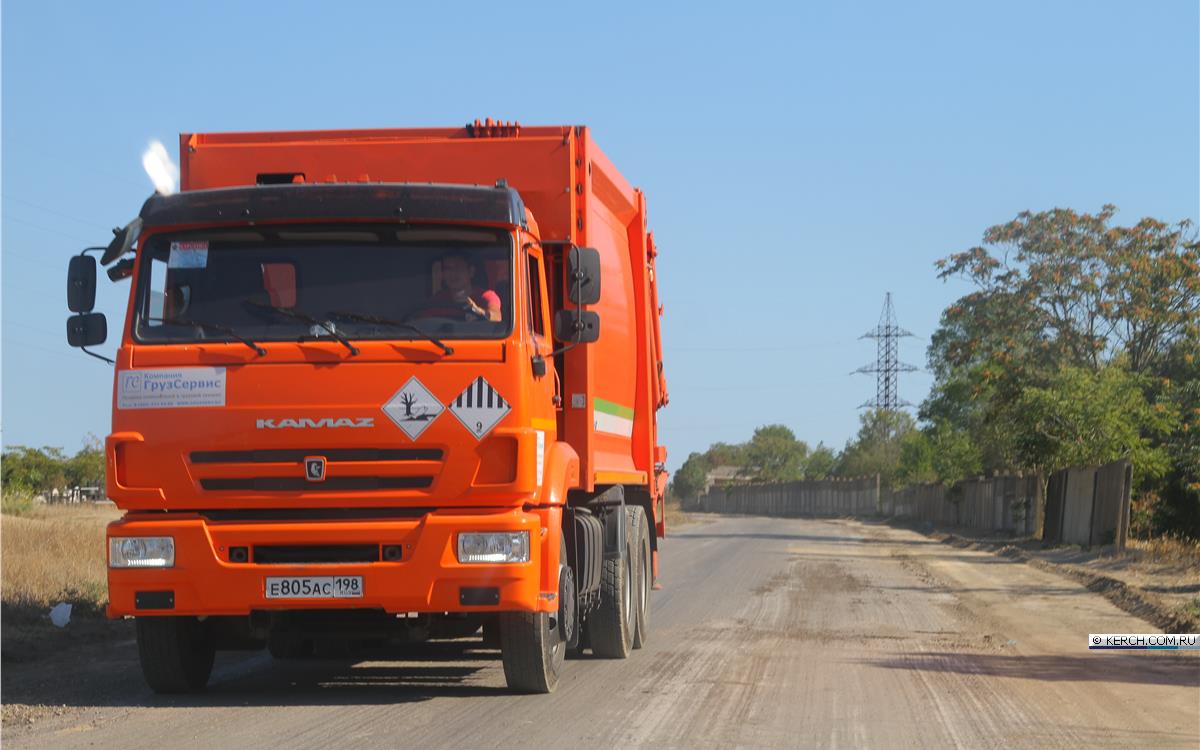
799	159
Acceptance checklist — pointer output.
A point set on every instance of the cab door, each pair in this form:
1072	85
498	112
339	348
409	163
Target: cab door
545	395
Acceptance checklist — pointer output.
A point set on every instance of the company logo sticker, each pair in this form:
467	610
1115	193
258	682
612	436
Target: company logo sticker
171	389
314	468
480	407
188	255
413	408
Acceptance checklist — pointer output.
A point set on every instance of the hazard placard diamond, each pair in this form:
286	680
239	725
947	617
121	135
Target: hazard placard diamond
480	407
413	408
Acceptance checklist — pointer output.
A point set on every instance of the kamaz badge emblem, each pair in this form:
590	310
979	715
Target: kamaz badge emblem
314	468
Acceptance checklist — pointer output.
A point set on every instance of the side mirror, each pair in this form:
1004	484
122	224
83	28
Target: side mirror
583	275
81	284
576	326
87	329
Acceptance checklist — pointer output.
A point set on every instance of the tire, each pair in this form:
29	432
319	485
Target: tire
642	574
532	646
176	653
611	626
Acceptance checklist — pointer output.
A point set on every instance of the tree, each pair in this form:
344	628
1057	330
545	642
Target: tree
1177	382
820	463
86	468
916	459
691	478
1152	289
34	469
1089	289
1083	418
876	448
775	455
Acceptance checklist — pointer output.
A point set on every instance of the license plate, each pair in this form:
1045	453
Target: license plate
314	587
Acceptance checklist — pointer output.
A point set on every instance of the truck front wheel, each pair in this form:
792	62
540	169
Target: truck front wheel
176	653
533	645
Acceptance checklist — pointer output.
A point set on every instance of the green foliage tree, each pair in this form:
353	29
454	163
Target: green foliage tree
689	481
43	470
1084	418
1073	348
86	468
876	448
1084	288
821	463
954	455
775	455
34	469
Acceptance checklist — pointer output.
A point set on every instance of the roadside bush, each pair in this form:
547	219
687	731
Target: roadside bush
16	501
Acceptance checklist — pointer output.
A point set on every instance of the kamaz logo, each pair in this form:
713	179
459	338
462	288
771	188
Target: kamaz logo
306	423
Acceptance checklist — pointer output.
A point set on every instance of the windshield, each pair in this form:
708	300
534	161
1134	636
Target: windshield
295	283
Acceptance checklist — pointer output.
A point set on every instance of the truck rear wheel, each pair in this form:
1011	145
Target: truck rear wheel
533	646
611	626
642	574
176	653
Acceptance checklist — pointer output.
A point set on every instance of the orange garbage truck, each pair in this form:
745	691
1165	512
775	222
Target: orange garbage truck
384	386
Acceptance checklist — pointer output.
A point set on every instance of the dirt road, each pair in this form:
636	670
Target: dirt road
768	633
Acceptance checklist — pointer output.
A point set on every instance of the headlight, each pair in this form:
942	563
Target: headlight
141	552
494	547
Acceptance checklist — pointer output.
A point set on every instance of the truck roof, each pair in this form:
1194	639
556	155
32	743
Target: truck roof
393	202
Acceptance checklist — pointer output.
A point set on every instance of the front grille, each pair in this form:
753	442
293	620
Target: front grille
297	455
347	469
324	553
300	484
251	515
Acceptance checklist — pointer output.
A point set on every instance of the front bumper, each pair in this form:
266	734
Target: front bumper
428	578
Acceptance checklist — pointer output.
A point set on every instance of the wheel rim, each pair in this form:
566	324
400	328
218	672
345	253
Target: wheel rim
645	575
629	613
566	609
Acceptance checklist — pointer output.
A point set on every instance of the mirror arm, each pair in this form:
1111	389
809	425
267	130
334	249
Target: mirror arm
97	356
562	349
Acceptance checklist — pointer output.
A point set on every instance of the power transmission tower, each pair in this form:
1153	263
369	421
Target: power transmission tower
887	365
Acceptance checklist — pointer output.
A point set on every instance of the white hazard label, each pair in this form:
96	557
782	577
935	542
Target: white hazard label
413	408
479	407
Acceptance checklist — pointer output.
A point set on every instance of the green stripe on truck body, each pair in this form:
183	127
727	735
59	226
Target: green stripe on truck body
608	407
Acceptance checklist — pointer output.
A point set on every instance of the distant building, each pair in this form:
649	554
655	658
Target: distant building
723	476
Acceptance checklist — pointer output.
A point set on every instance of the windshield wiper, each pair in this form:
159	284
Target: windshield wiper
306	318
395	324
203	324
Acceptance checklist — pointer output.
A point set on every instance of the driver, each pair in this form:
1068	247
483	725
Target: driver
458	297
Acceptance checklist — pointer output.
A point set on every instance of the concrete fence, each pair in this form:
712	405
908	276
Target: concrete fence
1088	506
1010	504
827	497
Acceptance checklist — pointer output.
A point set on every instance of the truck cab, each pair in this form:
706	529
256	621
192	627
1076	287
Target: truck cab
377	409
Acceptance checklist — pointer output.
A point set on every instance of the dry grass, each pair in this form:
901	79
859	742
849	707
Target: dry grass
676	515
54	554
1166	550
